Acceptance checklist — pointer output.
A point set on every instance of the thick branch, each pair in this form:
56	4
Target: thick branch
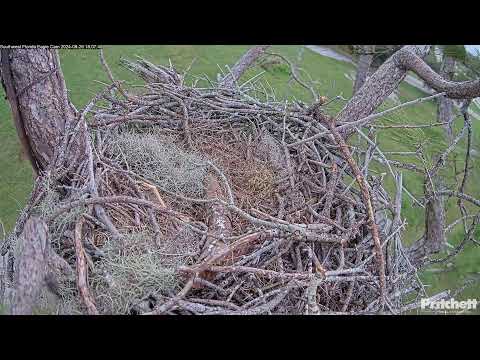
445	105
454	90
380	85
31	266
389	76
82	270
219	224
242	65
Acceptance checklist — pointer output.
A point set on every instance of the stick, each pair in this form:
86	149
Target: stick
368	202
82	270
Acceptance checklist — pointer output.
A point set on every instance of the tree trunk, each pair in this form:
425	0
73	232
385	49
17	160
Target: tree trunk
434	217
379	86
363	67
37	94
435	208
38	269
445	105
389	76
43	117
31	267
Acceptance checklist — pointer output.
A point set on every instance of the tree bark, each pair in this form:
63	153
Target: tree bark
435	205
37	94
445	105
379	86
434	217
31	267
389	76
363	67
242	65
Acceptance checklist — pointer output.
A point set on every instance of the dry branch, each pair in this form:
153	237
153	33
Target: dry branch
82	270
242	65
368	201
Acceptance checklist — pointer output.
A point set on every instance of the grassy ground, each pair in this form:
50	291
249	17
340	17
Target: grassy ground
82	67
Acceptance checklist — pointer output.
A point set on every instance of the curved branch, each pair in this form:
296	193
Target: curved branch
454	90
296	77
389	76
379	86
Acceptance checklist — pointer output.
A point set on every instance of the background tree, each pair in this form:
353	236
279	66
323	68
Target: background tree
451	54
366	54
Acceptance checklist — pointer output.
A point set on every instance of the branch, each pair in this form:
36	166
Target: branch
242	65
219	223
367	198
31	266
460	195
461	189
460	247
454	90
379	86
364	62
296	77
370	118
389	76
82	270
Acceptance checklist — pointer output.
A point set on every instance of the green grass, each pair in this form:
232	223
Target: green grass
82	67
15	175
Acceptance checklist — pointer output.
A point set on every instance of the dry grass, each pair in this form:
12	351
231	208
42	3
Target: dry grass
161	160
139	266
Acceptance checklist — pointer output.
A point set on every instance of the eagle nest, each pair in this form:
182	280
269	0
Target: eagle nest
194	200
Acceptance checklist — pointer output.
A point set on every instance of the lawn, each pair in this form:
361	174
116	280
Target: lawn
82	67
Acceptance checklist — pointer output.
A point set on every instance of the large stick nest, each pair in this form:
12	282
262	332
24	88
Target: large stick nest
206	201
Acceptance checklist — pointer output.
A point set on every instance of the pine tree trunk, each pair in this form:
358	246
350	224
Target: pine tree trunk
35	88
